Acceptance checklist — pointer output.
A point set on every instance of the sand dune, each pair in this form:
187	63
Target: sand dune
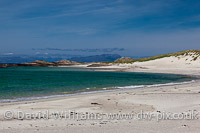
183	64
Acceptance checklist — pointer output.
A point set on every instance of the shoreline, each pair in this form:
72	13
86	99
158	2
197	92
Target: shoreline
100	90
150	87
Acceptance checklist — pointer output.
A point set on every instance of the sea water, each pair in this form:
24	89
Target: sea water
23	82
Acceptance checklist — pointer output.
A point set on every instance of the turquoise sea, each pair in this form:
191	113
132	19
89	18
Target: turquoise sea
22	82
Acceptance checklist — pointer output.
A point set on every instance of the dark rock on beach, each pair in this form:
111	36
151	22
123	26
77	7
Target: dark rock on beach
98	65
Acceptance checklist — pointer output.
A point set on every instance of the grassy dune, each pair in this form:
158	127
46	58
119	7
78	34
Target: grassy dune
194	53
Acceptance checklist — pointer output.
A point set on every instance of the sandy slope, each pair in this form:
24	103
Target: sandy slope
171	99
177	65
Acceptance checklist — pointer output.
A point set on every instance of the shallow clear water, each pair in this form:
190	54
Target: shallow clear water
37	81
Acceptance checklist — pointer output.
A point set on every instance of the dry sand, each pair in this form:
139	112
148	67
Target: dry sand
170	99
174	65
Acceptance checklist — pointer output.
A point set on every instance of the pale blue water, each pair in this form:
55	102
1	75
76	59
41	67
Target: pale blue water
38	81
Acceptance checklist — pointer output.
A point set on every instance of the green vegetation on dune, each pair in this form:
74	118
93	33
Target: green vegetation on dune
124	60
196	54
186	52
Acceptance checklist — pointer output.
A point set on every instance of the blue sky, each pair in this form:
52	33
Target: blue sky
141	27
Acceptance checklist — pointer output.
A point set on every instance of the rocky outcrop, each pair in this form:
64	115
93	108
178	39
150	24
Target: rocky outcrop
37	63
41	63
3	65
7	65
65	62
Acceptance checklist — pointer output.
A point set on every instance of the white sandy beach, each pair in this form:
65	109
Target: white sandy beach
173	99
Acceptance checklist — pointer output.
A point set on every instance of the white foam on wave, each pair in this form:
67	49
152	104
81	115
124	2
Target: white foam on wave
155	85
131	87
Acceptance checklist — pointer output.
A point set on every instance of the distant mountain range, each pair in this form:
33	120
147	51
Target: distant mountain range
96	58
52	58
